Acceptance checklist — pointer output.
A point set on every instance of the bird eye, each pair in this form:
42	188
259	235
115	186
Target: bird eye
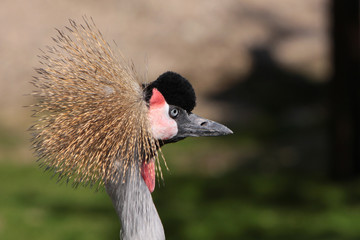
174	112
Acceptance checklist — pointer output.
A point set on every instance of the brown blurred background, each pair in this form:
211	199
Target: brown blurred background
283	74
214	44
210	42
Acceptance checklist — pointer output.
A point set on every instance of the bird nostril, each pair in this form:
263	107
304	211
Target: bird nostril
204	123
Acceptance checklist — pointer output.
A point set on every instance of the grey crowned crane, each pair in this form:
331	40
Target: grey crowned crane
98	125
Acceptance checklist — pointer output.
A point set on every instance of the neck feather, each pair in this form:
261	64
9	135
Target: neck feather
135	208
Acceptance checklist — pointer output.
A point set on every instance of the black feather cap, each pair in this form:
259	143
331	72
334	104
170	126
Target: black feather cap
176	90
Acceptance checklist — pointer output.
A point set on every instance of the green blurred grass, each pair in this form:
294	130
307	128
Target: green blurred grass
198	201
232	206
34	207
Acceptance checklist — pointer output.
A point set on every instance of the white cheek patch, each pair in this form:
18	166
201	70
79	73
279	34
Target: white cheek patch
162	125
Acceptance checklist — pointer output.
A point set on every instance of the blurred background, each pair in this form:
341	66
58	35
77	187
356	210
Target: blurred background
282	74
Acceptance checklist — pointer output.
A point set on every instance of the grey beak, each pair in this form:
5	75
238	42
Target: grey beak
200	127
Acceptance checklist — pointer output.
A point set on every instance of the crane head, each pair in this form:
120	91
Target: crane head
171	100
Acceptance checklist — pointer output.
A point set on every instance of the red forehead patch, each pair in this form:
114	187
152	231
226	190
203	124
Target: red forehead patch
157	99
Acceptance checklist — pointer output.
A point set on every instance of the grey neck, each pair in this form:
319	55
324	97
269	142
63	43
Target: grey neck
135	208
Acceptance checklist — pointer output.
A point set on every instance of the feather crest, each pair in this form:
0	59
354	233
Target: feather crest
92	116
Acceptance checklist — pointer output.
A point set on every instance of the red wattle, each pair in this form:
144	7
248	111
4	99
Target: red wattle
148	174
